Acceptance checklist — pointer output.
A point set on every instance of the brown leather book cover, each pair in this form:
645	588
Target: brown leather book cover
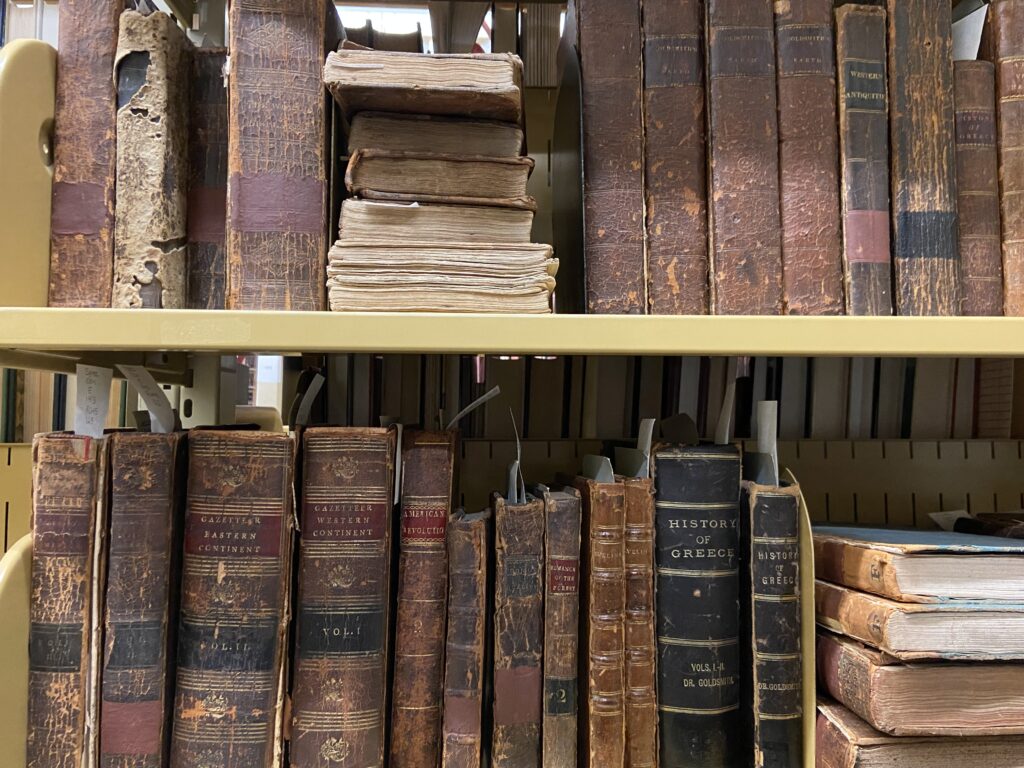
603	625
675	157
147	474
610	55
812	265
864	155
1006	25
561	626
467	635
340	668
235	600
926	254
277	138
84	155
207	180
427	478
68	511
745	228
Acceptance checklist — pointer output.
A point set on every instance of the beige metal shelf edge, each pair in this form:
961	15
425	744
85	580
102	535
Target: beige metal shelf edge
15	590
40	329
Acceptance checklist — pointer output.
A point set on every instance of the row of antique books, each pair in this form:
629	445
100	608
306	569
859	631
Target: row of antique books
224	598
745	157
920	639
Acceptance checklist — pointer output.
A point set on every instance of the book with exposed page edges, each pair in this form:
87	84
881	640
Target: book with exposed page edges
398	132
367	221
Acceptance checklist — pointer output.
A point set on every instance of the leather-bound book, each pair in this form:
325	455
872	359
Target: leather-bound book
675	157
339	676
427	476
518	632
697	491
641	700
277	139
743	193
977	187
610	55
150	246
603	625
68	511
466	638
561	625
235	595
147	474
925	250
812	264
864	155
84	155
207	180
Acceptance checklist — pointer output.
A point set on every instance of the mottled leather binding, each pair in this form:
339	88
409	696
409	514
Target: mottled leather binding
696	533
235	594
675	157
864	155
561	626
467	635
84	155
603	625
147	473
341	641
925	249
610	54
518	632
427	476
207	180
68	492
743	194
812	264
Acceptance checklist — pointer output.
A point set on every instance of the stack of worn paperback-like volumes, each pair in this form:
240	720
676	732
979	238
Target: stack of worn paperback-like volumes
441	218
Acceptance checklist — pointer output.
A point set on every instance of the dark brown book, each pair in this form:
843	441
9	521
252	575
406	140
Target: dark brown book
207	180
518	632
675	157
434	133
147	474
235	595
561	626
466	638
68	512
812	264
277	137
745	228
610	56
427	476
864	154
340	669
925	250
84	155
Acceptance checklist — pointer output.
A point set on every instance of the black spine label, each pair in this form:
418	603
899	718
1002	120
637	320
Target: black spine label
805	49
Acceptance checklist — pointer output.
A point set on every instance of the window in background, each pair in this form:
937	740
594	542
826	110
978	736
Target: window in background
29	20
389	20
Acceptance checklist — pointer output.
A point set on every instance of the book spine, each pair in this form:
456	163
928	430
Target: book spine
812	266
833	749
854	614
427	468
775	621
561	628
151	69
464	648
926	256
518	633
697	592
146	494
613	186
1006	19
235	587
863	568
208	180
864	154
67	487
277	135
341	647
675	157
641	701
84	155
845	676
